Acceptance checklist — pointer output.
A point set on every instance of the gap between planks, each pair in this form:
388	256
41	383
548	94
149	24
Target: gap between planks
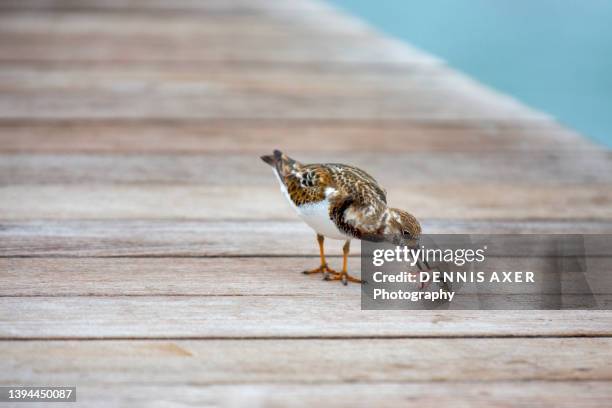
297	338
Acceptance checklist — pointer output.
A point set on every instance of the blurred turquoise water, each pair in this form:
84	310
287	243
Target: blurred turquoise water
554	55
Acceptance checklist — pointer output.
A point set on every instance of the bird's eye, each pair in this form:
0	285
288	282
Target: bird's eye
405	232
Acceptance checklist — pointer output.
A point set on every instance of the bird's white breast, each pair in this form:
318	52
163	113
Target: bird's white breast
316	215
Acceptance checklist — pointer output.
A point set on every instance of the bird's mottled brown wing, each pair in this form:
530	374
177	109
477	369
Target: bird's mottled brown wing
307	184
304	183
359	206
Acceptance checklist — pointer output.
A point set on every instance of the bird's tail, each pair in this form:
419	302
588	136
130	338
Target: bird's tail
281	162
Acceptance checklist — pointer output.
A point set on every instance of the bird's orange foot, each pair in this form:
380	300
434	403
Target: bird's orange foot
324	269
344	278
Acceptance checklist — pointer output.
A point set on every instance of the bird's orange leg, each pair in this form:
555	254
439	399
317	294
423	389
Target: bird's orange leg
344	276
324	269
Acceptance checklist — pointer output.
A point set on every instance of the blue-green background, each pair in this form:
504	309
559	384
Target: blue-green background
554	55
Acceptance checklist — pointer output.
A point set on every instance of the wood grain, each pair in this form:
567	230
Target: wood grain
391	170
256	276
176	26
475	200
201	47
273	316
219	362
110	92
166	277
538	394
114	238
189	6
309	137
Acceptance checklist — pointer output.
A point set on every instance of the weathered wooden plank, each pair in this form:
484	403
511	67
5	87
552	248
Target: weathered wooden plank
537	394
290	92
118	47
391	170
442	200
377	93
255	136
145	103
330	80
156	238
108	33
272	316
258	276
216	362
293	17
243	238
58	24
111	32
140	6
112	92
283	78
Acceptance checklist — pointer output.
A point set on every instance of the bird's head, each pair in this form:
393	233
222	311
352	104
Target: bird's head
402	228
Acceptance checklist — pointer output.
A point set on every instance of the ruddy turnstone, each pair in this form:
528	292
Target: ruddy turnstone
340	202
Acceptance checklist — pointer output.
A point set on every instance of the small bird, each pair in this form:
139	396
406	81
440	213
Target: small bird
340	202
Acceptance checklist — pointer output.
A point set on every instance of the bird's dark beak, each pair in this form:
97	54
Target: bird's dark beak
268	159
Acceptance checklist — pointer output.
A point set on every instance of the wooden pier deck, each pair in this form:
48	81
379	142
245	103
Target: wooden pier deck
147	255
